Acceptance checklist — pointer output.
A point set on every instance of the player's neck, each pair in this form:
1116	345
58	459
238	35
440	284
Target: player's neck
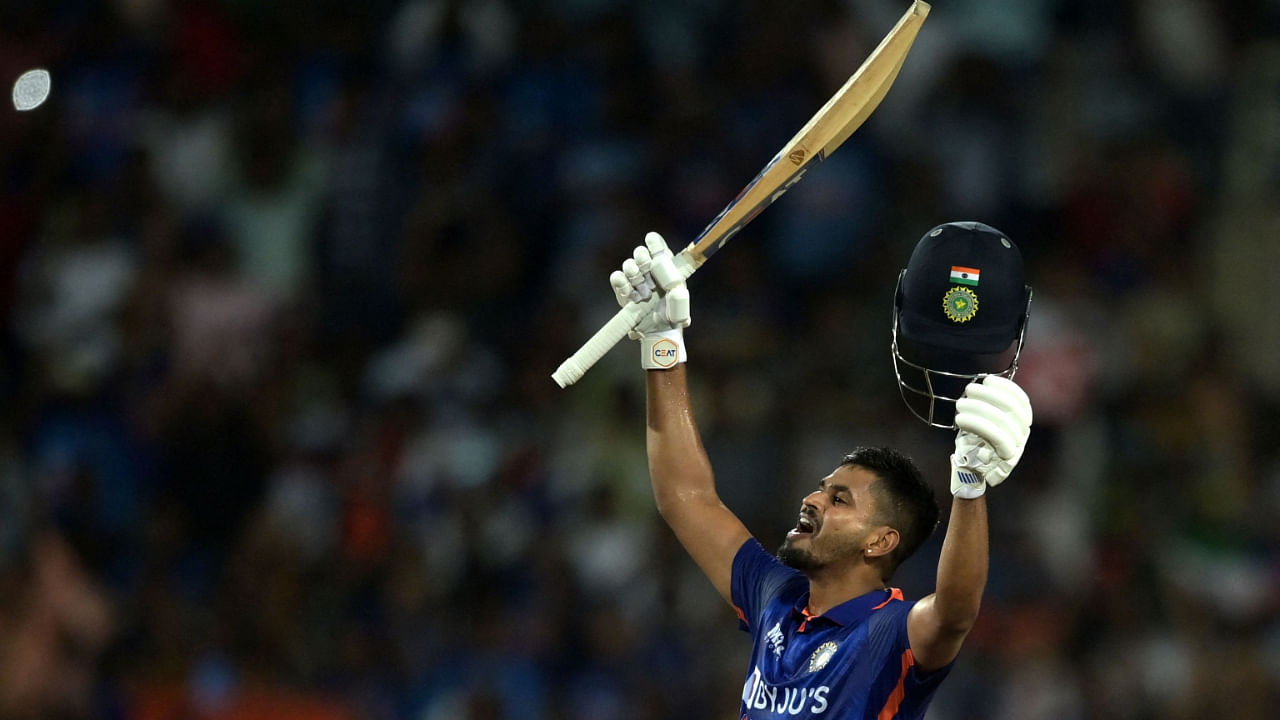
832	586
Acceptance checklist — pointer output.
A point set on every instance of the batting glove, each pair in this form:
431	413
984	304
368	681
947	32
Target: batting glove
994	418
650	270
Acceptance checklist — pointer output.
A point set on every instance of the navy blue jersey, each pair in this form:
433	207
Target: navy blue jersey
852	662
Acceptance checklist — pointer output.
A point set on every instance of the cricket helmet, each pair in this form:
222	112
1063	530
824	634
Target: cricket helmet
959	314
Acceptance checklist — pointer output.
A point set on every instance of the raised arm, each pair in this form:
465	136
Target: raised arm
994	418
939	623
683	484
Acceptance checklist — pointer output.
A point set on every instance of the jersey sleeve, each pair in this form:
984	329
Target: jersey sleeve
908	688
758	577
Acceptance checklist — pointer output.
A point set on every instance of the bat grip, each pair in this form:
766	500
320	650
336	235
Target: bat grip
687	262
572	369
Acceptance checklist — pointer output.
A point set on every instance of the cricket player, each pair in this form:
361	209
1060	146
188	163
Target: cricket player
831	637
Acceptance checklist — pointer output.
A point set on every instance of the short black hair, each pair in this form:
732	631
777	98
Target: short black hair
905	501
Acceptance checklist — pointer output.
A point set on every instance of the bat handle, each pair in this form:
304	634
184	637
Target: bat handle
687	261
572	369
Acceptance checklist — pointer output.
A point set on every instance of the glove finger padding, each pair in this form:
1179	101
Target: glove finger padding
631	269
1004	393
677	307
652	271
997	410
621	287
644	261
663	267
996	414
991	424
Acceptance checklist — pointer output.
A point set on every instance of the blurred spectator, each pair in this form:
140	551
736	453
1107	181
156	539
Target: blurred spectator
57	621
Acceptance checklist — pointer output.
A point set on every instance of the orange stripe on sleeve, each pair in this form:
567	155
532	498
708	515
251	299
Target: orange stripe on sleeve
741	615
891	705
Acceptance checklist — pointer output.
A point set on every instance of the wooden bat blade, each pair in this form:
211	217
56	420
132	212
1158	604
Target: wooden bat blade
834	122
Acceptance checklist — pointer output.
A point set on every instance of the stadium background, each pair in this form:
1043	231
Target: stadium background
281	285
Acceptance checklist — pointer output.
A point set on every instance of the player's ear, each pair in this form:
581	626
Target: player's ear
883	540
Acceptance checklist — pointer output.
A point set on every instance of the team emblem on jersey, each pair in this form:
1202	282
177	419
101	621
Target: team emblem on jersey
822	656
960	304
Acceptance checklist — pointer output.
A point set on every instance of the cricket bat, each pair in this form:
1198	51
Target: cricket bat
826	130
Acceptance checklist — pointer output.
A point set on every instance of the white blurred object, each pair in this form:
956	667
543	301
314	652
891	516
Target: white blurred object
31	89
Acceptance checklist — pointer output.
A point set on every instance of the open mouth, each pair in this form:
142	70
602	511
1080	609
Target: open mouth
805	525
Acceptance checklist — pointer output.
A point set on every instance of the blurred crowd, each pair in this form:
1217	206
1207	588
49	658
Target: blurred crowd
282	285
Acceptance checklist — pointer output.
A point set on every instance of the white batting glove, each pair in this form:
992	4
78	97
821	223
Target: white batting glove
650	270
994	418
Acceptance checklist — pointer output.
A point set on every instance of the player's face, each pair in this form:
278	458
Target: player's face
835	520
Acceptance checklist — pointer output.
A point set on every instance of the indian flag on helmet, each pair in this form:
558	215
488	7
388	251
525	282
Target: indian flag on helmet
964	275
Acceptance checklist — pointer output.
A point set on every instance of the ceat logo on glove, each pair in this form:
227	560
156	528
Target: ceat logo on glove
666	353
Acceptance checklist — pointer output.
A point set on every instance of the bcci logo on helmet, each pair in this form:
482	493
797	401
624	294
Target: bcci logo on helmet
960	304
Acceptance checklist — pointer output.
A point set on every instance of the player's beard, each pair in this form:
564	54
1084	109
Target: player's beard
797	558
819	554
